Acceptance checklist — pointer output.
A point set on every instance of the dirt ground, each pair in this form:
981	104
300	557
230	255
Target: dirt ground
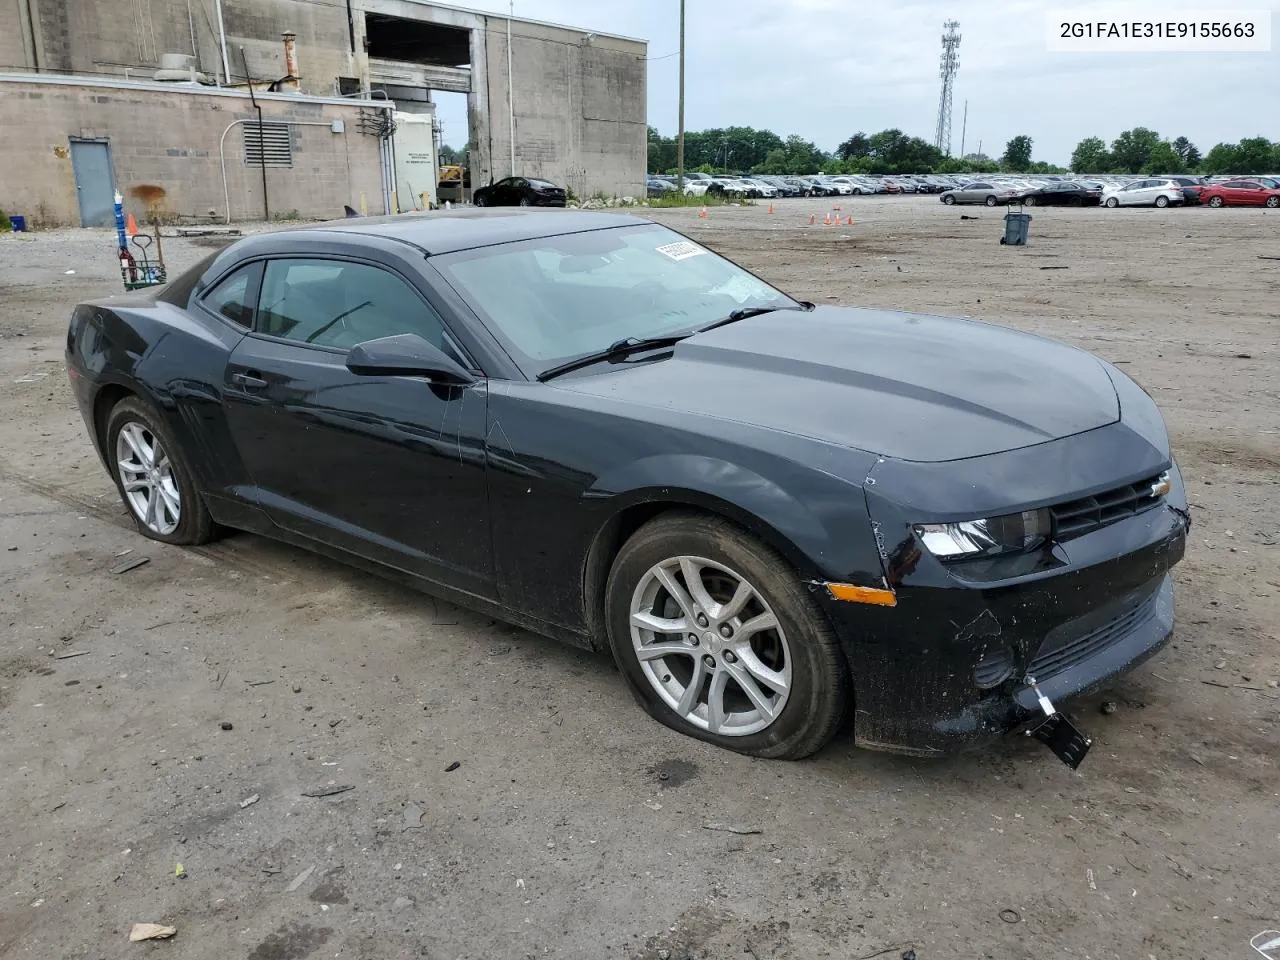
575	826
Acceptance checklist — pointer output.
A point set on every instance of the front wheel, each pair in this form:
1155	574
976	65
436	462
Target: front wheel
1216	202
1162	202
948	200
717	639
1112	202
153	477
1273	202
991	201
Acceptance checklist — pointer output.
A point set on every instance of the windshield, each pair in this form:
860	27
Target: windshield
553	299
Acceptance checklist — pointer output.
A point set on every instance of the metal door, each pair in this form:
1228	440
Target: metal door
95	182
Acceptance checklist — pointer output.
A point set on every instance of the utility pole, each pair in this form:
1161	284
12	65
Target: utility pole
964	126
511	92
680	135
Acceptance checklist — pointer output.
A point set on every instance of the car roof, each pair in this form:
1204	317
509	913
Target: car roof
446	231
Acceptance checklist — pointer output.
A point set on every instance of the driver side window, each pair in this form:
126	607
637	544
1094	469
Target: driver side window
337	304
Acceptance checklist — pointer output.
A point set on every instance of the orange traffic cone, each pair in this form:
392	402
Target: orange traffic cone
131	226
771	208
827	220
813	218
849	222
703	213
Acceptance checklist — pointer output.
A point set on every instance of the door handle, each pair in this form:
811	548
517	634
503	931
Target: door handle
248	380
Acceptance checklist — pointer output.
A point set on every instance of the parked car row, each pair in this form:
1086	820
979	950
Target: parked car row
994	190
1163	191
816	185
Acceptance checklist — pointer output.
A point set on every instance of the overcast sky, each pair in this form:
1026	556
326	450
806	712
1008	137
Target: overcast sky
827	68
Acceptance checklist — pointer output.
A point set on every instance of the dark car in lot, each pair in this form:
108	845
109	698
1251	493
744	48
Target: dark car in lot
1192	187
1066	194
520	192
595	428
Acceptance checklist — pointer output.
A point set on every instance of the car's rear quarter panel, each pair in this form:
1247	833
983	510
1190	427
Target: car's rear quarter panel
172	360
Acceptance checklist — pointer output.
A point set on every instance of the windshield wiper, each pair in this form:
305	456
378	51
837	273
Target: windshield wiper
742	313
615	351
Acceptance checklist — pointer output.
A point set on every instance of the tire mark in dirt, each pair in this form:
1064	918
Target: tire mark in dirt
232	554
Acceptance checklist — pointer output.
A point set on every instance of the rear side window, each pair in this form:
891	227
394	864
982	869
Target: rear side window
234	296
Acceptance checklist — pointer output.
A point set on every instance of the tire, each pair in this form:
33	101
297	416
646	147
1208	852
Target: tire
137	420
1162	202
480	201
801	655
949	200
1273	202
1112	203
1217	202
991	201
1029	201
524	201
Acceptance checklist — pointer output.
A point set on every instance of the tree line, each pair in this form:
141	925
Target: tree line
748	150
1144	151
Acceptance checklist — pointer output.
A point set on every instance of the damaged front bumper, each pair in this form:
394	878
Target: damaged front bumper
967	650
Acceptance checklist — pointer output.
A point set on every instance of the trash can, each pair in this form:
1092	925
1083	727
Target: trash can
18	223
1016	228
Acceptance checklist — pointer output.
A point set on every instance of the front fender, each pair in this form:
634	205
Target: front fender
818	522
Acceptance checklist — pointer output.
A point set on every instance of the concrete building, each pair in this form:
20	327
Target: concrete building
542	100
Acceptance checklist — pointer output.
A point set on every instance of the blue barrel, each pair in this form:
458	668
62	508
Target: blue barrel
18	222
1016	228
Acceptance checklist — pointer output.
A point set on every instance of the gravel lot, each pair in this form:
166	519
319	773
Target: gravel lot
574	825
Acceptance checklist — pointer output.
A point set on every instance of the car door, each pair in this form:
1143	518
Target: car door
1132	194
391	469
1246	193
973	193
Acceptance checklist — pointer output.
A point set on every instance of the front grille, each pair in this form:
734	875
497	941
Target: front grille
1077	517
1056	655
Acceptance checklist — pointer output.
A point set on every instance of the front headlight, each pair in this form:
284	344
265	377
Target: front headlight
983	538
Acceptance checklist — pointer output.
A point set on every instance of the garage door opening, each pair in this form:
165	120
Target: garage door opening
415	41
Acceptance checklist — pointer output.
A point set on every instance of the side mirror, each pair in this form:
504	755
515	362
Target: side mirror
405	355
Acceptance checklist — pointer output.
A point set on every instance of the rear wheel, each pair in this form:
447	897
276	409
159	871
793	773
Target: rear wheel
153	476
1029	201
1273	202
480	200
1162	202
1216	202
524	201
1112	202
718	639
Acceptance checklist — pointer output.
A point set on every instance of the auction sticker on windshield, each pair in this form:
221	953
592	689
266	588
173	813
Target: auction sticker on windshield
680	251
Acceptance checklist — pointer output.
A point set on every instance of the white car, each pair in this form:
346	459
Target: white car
855	187
1143	193
842	187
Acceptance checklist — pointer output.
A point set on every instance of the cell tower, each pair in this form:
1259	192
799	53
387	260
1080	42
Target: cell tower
948	64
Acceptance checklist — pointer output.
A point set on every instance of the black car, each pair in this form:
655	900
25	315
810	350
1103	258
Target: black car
520	192
658	187
592	427
1191	187
1065	194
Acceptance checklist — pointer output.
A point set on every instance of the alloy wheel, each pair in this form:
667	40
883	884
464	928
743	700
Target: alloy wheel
146	476
710	646
1273	202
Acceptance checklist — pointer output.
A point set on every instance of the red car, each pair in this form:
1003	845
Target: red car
1240	193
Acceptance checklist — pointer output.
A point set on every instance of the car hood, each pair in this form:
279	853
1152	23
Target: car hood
898	385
